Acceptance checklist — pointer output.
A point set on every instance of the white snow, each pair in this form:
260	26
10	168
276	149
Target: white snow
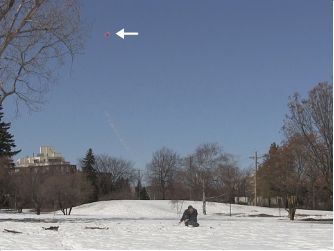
154	225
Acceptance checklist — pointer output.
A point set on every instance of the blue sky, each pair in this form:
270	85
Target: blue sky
200	71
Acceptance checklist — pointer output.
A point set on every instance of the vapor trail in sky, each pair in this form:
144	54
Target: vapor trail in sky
116	133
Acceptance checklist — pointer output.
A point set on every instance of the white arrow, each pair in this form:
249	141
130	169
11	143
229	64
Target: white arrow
122	33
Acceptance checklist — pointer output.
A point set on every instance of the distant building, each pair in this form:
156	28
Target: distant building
242	200
47	158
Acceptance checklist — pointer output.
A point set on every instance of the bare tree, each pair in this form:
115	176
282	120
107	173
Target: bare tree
190	177
162	169
38	193
44	188
312	118
22	191
5	185
113	172
228	177
205	159
245	186
36	36
66	190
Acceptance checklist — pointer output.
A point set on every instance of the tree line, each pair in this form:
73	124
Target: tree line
37	36
44	188
207	174
299	170
111	178
302	166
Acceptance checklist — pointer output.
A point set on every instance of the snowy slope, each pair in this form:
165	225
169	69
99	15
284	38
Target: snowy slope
167	209
154	225
128	209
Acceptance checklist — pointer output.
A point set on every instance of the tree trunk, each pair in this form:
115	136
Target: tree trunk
230	209
292	214
292	206
204	200
61	208
163	193
313	197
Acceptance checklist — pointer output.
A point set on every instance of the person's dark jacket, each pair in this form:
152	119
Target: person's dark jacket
189	216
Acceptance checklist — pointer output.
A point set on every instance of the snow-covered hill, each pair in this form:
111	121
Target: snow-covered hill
159	209
154	225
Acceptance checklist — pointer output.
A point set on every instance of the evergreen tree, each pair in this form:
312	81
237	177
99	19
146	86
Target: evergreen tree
6	153
6	139
143	194
87	165
138	189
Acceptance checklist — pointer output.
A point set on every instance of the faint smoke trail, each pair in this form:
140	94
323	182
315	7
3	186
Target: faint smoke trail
116	132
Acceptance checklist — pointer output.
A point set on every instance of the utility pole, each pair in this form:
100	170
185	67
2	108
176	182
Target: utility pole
230	209
256	157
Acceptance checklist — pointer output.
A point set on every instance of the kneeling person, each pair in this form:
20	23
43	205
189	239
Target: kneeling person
190	217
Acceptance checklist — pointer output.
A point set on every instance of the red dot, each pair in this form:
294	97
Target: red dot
107	34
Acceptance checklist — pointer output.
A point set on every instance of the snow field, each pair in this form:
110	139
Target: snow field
154	225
